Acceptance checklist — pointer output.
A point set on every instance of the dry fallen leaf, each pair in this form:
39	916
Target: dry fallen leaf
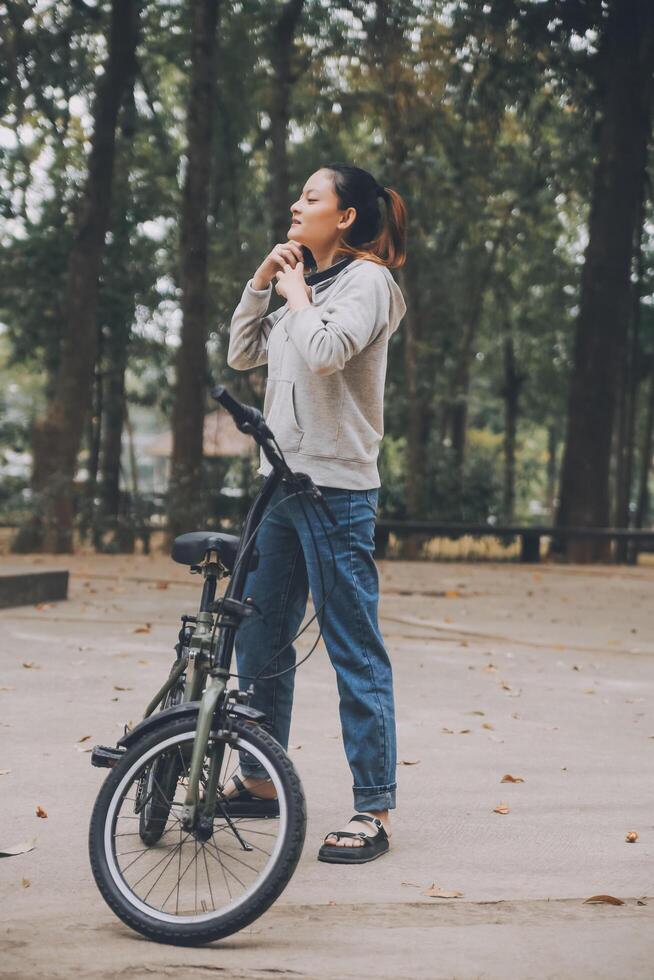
295	747
489	668
142	629
82	748
30	664
448	731
452	594
161	585
44	605
7	687
40	812
487	724
603	899
4	772
409	762
464	731
22	848
475	712
84	738
25	882
508	778
513	692
501	808
435	892
117	687
632	837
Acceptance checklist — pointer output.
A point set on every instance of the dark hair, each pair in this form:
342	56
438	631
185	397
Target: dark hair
378	232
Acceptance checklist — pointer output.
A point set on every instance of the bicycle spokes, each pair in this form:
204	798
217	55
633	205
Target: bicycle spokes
171	871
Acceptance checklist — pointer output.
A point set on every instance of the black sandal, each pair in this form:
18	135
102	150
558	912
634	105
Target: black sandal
373	845
245	804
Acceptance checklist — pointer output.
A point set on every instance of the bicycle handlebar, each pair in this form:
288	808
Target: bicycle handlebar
249	419
242	414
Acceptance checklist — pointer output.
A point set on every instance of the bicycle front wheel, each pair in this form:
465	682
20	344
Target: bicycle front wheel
181	889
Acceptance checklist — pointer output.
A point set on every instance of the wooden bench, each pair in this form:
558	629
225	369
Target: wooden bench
530	535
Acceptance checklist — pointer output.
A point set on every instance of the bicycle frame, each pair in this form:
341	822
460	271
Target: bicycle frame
212	658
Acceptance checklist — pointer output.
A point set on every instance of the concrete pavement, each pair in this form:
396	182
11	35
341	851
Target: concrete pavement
545	674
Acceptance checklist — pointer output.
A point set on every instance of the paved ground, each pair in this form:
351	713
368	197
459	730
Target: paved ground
545	674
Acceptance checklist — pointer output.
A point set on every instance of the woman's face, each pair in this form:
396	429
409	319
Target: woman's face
318	222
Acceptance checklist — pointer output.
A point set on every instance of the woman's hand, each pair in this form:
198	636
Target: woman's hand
284	253
291	285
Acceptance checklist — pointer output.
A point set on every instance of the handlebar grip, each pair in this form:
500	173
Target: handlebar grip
240	413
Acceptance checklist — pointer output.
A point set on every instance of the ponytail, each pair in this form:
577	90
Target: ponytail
380	229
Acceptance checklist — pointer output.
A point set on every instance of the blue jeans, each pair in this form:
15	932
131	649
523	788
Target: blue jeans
279	586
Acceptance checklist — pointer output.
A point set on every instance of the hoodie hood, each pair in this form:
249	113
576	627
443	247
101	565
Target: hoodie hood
319	281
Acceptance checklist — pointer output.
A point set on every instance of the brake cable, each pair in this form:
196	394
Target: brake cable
299	494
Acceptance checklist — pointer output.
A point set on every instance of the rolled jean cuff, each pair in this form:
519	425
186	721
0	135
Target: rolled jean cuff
373	798
251	768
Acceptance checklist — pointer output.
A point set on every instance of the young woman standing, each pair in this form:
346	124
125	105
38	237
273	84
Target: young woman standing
326	351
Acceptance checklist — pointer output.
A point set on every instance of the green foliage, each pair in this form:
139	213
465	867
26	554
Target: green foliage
482	115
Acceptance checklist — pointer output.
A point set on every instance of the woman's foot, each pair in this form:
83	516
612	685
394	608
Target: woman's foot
262	789
357	827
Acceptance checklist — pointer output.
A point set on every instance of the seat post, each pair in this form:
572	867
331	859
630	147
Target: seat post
209	587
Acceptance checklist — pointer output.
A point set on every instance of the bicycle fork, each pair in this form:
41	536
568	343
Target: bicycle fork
196	817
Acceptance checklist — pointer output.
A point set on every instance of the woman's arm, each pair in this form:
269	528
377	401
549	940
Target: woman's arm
250	329
327	338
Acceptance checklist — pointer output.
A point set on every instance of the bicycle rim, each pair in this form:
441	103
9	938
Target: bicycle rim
180	879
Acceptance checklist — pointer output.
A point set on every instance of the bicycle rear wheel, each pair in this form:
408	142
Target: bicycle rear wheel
157	786
184	890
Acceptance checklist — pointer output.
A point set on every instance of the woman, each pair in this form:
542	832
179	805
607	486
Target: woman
326	351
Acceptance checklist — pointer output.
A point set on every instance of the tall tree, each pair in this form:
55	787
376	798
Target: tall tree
57	435
627	63
285	75
186	483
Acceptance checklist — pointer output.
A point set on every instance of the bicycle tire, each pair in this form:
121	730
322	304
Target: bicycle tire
161	778
205	927
160	782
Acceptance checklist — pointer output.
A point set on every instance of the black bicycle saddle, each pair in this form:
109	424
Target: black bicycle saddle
190	549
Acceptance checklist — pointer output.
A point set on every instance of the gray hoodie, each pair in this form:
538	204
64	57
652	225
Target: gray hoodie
326	370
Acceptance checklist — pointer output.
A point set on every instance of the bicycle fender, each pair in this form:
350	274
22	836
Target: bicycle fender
188	709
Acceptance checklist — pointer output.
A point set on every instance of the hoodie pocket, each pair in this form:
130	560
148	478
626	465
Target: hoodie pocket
279	413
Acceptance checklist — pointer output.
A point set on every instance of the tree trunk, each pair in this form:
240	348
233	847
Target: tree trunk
642	506
626	57
630	377
513	381
94	437
118	329
414	445
552	447
185	503
281	56
481	269
625	435
57	436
